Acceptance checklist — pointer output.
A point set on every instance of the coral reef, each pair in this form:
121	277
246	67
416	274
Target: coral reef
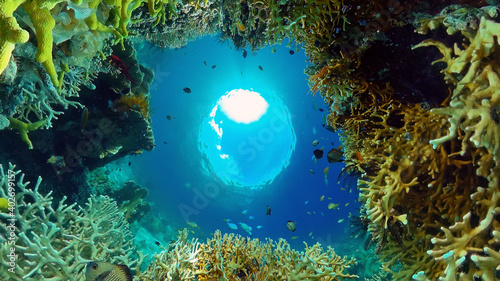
48	240
232	257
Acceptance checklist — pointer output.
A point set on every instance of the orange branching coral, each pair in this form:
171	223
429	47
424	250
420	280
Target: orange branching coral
137	102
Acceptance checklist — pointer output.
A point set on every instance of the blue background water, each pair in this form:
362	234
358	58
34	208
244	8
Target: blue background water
173	172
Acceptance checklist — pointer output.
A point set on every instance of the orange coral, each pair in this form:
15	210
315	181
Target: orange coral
137	102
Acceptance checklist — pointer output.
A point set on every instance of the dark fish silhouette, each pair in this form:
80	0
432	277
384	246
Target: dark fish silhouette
187	90
205	62
260	67
268	210
291	52
318	153
245	53
214	66
169	117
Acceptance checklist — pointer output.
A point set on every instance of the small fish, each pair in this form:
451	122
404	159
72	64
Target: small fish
187	90
129	163
309	213
214	66
259	226
335	155
322	214
103	271
165	142
169	117
341	220
291	52
251	217
226	220
325	171
268	210
306	202
346	204
315	142
311	171
320	109
85	118
157	243
246	227
273	50
322	198
260	68
310	233
318	153
314	131
54	159
326	181
240	26
294	237
205	62
192	224
245	53
244	212
290	225
333	206
232	225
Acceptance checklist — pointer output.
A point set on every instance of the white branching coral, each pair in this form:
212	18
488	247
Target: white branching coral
55	241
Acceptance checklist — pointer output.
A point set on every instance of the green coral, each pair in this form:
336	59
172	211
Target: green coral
24	128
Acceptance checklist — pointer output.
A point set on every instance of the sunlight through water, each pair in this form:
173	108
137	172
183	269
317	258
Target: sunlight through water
247	139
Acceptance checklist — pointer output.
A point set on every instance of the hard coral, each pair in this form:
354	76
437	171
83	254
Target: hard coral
55	241
232	257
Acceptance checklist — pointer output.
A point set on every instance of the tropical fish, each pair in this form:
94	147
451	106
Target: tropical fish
85	118
268	210
251	217
347	204
333	206
240	26
104	271
325	171
334	155
232	225
245	53
226	220
118	63
311	171
306	202
246	227
341	220
318	153
259	226
310	233
315	142
290	225
291	52
157	243
187	90
314	131
309	213
322	198
192	224
260	68
244	212
294	237
54	159
214	66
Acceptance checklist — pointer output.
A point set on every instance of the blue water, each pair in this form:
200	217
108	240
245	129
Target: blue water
180	187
